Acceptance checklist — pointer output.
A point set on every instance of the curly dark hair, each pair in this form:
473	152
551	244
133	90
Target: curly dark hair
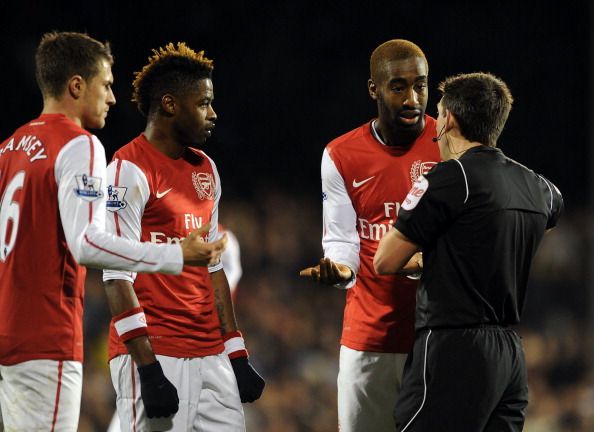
169	70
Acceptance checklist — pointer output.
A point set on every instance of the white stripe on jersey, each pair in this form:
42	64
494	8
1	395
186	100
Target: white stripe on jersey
340	239
84	222
465	180
550	190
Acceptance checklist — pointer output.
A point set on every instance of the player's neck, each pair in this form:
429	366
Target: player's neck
53	106
397	137
163	142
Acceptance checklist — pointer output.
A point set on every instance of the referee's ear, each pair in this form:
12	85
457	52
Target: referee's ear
451	122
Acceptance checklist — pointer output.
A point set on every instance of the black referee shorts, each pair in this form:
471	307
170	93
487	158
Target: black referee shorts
464	380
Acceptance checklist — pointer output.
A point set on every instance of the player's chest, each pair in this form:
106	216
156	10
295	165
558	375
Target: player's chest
375	182
180	201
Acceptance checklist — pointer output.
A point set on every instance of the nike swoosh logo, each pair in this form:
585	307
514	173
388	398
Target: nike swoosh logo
356	184
162	194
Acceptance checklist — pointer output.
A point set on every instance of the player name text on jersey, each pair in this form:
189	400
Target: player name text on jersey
28	144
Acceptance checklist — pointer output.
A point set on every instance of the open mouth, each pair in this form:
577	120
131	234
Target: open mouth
409	117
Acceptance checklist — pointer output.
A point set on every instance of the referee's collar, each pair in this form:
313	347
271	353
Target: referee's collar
481	148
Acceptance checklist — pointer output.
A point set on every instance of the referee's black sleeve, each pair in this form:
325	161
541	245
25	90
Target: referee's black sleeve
424	218
556	204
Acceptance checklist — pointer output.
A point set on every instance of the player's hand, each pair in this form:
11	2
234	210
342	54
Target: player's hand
328	272
159	396
197	252
249	382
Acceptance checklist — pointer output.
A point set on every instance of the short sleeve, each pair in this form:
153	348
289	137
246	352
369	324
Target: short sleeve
432	203
556	204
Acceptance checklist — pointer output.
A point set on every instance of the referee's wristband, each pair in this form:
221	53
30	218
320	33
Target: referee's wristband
130	324
234	345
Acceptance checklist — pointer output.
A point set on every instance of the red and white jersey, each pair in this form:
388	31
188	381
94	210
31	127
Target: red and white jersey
363	183
52	218
154	198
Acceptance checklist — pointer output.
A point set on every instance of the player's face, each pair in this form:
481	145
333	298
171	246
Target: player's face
401	94
195	117
97	97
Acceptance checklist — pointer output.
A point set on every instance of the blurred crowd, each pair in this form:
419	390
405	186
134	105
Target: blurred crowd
292	328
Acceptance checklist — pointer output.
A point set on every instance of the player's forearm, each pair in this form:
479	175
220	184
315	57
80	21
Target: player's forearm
223	303
141	351
122	298
94	247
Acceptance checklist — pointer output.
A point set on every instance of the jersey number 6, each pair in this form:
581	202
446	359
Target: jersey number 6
9	210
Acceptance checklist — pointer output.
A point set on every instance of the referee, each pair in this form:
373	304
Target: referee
478	217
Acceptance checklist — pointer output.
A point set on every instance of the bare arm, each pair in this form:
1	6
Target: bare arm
223	303
121	298
393	253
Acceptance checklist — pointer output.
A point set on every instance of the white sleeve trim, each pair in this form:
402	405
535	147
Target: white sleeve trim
231	260
134	192
340	239
83	215
213	234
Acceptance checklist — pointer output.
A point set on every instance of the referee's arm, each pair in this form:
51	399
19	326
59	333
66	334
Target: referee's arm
395	255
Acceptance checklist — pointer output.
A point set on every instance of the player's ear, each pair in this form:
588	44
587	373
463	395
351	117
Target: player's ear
168	104
372	88
75	86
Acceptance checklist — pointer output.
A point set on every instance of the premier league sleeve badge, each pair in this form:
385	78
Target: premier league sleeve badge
115	198
88	187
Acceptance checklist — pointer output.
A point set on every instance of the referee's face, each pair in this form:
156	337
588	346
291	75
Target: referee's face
401	94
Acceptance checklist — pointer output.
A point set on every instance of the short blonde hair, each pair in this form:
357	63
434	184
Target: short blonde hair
395	49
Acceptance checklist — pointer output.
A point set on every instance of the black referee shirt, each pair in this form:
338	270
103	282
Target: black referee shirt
479	221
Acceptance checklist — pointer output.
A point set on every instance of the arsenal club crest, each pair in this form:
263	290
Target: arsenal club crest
204	185
419	168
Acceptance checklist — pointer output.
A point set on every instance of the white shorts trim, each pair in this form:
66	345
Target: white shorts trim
424	383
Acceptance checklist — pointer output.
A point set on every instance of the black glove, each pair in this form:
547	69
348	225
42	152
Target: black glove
159	396
249	382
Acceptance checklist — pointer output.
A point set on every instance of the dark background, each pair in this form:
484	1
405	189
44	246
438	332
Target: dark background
290	76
